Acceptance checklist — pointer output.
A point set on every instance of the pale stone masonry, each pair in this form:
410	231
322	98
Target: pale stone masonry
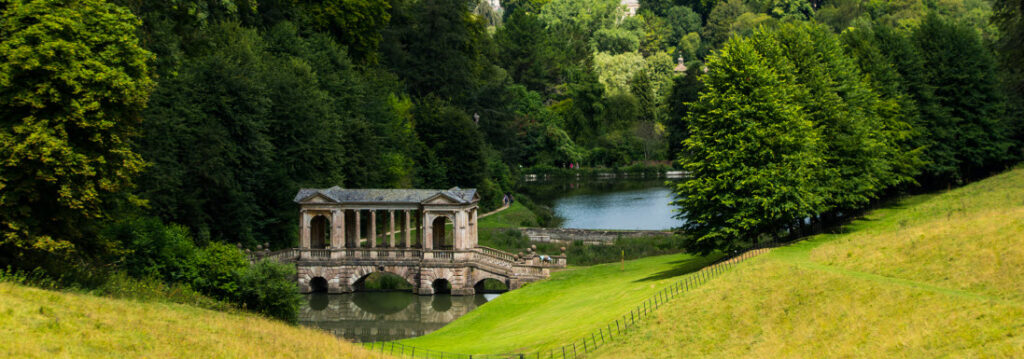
333	253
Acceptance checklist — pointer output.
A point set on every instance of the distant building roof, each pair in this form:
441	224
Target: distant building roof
631	6
374	195
681	67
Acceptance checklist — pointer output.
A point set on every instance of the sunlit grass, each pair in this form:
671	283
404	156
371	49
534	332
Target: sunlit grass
36	323
515	216
561	309
932	276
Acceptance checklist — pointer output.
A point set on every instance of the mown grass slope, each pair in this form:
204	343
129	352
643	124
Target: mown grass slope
560	309
932	276
36	323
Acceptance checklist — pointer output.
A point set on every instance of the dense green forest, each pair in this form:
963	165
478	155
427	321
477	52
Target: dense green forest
139	133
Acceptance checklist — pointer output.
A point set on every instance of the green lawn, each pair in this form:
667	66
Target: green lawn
36	323
558	310
932	276
514	216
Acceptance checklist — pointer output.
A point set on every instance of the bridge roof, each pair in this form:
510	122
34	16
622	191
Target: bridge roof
376	195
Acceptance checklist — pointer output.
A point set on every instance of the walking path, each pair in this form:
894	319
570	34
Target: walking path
495	211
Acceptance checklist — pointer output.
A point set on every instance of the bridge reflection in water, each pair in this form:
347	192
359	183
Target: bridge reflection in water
382	316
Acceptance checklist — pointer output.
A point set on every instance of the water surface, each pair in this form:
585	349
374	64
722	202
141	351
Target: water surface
623	204
383	316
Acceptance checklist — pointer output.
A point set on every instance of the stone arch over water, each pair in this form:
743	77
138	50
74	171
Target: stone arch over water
318	284
491	285
410	275
441	286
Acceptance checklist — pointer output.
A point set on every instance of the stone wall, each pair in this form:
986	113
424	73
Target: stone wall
587	236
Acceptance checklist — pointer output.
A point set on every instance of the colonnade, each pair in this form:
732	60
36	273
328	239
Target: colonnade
346	227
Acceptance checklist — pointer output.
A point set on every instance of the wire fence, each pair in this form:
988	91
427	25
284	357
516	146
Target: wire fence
597	338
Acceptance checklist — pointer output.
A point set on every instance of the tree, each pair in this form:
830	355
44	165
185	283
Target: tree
520	43
1009	17
719	23
682	20
615	41
898	113
962	71
454	139
616	71
857	155
355	23
73	80
442	50
685	91
752	152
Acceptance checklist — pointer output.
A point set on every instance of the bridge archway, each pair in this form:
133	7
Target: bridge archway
318	285
319	232
441	286
359	274
490	285
380	281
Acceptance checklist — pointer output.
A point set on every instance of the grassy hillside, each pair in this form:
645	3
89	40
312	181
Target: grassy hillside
515	216
560	309
933	276
37	323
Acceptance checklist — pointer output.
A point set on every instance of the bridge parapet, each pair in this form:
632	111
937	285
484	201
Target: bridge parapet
342	267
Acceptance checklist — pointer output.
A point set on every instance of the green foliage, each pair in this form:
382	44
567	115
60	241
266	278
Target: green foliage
752	151
520	44
962	72
355	23
616	71
73	79
1009	17
439	49
785	9
454	140
267	287
615	41
718	27
153	250
685	90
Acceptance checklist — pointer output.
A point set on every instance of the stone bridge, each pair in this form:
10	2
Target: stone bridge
339	270
334	254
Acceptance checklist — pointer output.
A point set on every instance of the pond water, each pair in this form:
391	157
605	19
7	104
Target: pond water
383	316
608	204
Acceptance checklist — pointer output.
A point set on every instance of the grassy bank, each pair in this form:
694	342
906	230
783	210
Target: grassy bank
560	309
931	276
38	323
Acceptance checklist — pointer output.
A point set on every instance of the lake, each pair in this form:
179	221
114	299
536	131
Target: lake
624	204
383	316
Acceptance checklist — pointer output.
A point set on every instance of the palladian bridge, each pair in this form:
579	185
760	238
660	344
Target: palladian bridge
434	246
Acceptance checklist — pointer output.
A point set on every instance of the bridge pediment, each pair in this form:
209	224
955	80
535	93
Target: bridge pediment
317	198
441	199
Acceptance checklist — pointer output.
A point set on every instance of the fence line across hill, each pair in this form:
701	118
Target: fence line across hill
598	338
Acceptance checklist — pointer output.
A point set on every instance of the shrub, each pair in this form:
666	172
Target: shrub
152	249
269	288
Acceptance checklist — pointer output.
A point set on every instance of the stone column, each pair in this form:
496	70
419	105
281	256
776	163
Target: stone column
338	228
359	228
372	237
459	230
474	239
426	235
304	229
392	223
406	229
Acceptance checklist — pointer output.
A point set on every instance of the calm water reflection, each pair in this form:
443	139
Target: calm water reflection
608	204
379	316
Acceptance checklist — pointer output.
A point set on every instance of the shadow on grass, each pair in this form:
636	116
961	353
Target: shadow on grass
682	267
